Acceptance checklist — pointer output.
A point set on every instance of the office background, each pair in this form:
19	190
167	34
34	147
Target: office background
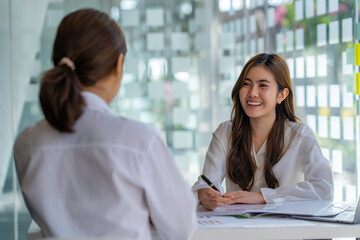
183	59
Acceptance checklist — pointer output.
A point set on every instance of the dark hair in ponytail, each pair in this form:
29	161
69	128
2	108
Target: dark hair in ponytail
92	41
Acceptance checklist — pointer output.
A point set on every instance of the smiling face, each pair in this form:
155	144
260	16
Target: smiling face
259	94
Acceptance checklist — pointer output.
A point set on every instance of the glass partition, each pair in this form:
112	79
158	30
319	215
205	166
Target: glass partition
183	60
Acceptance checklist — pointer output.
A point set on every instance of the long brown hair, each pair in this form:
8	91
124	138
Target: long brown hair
240	163
93	42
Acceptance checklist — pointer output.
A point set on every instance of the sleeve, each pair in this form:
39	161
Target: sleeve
215	161
318	178
170	201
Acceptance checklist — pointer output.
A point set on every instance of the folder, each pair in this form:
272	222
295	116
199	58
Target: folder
296	208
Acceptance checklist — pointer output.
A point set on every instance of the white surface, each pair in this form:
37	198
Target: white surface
322	95
180	41
335	127
310	96
155	17
155	41
318	231
271	17
302	208
299	34
333	6
252	22
321	34
290	63
289	40
226	41
334	32
280	42
335	95
202	41
310	66
300	67
203	16
347	31
180	64
320	7
309	8
236	229
348	128
322	65
299	10
130	18
323	127
300	96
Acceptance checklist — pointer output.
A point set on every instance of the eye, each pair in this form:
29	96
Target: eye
245	84
264	85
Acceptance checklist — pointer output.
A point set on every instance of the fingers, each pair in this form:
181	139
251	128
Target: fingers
213	193
212	199
245	197
212	204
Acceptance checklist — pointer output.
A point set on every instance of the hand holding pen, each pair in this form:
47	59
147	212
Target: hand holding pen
212	198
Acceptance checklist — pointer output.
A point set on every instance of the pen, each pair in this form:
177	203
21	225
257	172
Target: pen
209	182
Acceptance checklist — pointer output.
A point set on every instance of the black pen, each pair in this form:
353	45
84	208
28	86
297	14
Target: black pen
209	182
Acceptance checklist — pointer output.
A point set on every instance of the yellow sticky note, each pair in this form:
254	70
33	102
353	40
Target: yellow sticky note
357	54
324	111
357	84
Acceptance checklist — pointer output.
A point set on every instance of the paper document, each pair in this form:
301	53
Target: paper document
300	208
207	222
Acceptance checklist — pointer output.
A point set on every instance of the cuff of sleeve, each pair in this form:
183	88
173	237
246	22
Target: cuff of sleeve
196	187
269	195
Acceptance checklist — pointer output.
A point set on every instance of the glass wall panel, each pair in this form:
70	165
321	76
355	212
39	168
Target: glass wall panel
183	60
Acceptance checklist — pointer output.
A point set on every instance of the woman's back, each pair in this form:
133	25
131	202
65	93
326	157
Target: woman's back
99	180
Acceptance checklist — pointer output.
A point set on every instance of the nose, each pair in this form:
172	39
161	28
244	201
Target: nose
254	92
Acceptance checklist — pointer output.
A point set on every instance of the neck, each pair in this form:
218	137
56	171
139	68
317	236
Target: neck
101	92
260	128
103	88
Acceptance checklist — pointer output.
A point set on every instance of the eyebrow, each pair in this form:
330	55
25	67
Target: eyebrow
261	80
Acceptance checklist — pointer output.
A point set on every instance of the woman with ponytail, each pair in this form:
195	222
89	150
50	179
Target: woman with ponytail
265	155
85	172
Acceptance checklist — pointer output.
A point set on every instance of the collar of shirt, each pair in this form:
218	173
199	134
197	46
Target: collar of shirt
93	101
259	159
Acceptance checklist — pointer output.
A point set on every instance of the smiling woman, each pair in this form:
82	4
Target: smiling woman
263	152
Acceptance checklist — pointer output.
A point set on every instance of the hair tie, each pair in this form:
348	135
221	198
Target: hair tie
67	61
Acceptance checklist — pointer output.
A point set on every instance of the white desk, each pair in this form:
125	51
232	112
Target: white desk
263	228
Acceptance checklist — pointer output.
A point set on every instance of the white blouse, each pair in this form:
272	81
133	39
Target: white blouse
106	179
303	172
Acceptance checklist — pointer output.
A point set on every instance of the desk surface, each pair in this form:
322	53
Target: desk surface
262	228
266	228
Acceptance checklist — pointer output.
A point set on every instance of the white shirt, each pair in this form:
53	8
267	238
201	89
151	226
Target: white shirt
106	179
303	172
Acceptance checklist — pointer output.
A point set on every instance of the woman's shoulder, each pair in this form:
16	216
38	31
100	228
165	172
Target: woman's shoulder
300	129
142	129
224	127
132	129
33	135
223	131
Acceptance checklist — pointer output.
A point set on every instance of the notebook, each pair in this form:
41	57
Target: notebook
350	216
298	208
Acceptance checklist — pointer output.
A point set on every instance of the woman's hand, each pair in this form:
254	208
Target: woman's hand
212	199
245	197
